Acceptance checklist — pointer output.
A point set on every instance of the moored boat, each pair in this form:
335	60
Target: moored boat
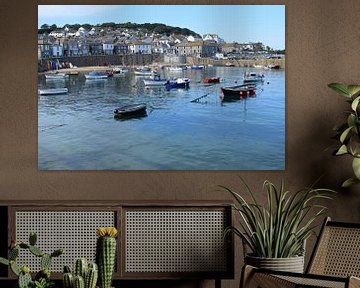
273	66
56	76
120	70
212	80
238	92
133	110
96	75
53	91
197	67
175	68
252	77
144	72
178	83
72	73
154	80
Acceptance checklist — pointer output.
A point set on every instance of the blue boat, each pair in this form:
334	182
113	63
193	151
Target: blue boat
178	83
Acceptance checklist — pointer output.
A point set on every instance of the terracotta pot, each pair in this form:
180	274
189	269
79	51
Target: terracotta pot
291	264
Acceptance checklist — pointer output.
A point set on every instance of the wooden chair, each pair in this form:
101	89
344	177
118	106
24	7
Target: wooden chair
335	262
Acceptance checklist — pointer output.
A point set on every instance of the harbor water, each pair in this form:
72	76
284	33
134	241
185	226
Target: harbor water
78	131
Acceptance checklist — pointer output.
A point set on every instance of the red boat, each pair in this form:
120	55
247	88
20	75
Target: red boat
212	80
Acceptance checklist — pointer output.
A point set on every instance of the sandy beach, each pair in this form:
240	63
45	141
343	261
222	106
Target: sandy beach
80	69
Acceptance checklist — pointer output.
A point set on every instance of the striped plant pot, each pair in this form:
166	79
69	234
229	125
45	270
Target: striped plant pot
291	264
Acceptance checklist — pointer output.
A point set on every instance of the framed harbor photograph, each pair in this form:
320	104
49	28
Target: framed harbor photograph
161	87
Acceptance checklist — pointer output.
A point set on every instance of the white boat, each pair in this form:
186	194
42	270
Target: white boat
197	67
56	76
258	66
144	72
53	91
154	81
175	69
251	77
96	75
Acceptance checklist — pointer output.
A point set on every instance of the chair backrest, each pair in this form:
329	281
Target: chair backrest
337	251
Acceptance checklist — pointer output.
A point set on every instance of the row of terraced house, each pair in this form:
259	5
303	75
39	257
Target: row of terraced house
50	46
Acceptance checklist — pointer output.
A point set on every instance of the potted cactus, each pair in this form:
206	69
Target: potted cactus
42	278
106	254
84	275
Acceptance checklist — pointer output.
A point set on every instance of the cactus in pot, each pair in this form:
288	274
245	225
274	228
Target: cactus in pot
106	254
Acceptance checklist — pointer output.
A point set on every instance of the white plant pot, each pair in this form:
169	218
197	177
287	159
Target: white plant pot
291	264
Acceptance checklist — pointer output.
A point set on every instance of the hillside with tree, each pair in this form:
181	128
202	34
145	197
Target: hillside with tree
157	28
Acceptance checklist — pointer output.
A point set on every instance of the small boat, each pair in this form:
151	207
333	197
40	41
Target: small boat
120	70
154	80
273	66
238	92
178	83
53	91
229	64
197	67
252	77
258	66
56	76
72	73
146	72
212	80
175	69
134	110
97	75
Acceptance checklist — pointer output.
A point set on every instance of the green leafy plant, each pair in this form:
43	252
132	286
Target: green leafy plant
42	278
279	229
348	132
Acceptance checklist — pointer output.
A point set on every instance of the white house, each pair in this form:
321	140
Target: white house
108	48
147	39
140	48
81	32
92	31
57	50
192	38
213	37
56	34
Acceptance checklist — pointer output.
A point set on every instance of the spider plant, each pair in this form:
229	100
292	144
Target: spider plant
279	229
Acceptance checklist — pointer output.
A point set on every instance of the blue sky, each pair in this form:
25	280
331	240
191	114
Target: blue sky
241	23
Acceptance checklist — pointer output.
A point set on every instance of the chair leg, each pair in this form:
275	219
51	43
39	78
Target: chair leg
354	282
246	274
